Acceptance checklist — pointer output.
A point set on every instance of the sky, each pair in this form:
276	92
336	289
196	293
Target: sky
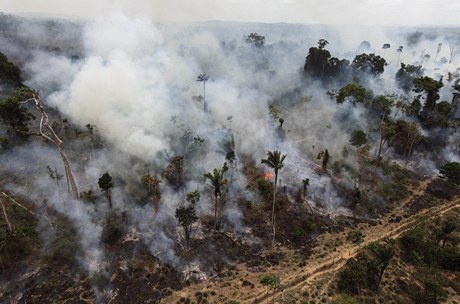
365	12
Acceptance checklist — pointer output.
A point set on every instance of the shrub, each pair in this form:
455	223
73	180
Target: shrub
356	236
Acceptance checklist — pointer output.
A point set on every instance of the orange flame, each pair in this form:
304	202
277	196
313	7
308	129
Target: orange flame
267	175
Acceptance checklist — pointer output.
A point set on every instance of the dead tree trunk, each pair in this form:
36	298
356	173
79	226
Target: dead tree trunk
47	133
6	216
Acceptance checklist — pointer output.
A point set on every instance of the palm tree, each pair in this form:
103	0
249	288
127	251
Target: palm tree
203	78
275	161
216	181
384	253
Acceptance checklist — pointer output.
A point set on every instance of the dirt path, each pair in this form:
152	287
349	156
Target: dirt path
329	256
326	263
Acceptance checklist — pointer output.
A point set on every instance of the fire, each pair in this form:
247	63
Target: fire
267	175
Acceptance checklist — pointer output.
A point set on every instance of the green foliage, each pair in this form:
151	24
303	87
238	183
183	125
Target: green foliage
450	258
433	292
186	214
367	269
369	63
405	135
311	224
428	85
9	72
316	62
54	174
356	236
275	161
382	104
320	64
439	117
88	196
406	75
65	244
265	188
274	112
256	40
105	182
193	197
216	181
451	171
322	43
271	281
14	115
354	92
4	142
19	242
202	77
358	274
427	246
358	138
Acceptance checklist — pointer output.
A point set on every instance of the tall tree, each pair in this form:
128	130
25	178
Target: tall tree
358	138
9	72
406	75
384	104
274	161
321	65
383	253
353	92
216	182
317	60
14	115
451	171
430	87
256	40
203	78
47	132
325	160
369	63
105	184
406	135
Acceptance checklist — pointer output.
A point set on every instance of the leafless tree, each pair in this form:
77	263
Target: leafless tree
46	132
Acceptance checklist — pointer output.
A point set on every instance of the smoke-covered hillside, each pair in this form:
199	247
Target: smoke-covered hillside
197	146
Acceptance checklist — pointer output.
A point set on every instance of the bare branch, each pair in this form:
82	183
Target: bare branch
46	132
6	216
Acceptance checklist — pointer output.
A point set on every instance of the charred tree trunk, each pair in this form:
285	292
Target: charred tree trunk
273	210
382	141
216	197
108	195
325	160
